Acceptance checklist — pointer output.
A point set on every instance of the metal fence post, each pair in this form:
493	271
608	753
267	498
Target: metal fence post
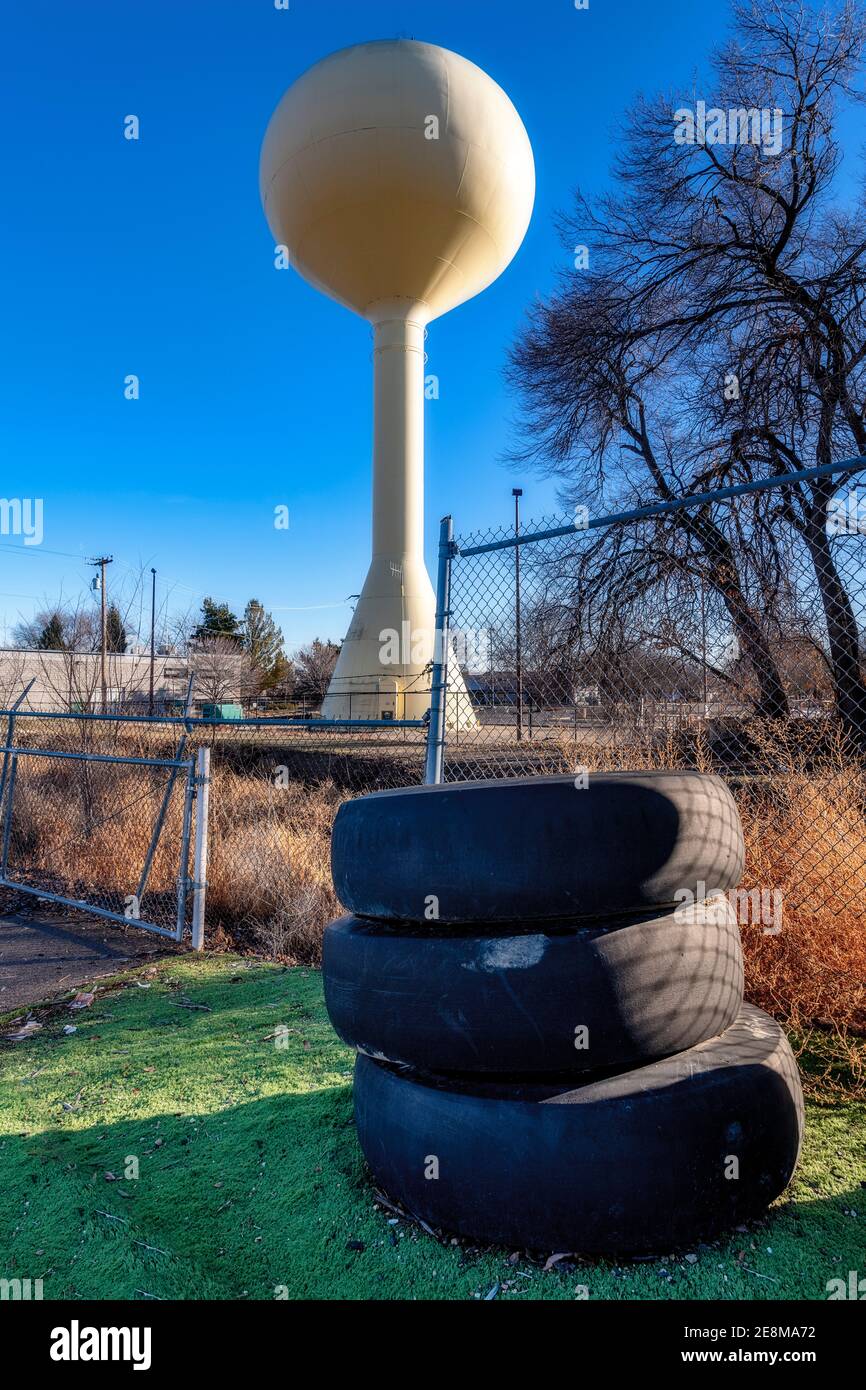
7	822
166	800
517	493
202	807
10	735
439	678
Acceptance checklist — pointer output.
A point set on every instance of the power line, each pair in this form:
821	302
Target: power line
170	584
310	607
41	550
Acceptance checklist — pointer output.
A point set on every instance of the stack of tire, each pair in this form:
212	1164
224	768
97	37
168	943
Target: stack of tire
553	1049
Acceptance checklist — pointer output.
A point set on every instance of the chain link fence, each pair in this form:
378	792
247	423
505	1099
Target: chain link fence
724	632
81	827
106	832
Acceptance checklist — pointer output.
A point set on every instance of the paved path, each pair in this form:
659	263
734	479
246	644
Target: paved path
43	956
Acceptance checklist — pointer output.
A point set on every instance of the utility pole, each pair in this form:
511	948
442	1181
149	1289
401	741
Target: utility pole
101	561
152	637
517	493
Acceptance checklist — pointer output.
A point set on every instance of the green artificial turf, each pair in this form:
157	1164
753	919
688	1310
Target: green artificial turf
251	1185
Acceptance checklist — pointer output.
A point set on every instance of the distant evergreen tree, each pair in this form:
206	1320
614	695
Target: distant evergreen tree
52	638
115	632
263	642
218	620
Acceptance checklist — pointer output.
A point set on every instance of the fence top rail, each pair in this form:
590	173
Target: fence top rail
675	504
82	755
90	908
193	722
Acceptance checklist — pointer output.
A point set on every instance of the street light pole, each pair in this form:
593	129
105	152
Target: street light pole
152	637
704	643
517	493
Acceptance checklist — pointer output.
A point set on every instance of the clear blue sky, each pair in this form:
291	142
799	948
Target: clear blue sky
154	258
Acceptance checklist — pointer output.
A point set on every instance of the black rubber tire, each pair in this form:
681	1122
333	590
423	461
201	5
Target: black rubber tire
480	1001
536	848
636	1163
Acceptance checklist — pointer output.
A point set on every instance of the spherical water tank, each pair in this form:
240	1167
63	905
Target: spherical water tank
397	171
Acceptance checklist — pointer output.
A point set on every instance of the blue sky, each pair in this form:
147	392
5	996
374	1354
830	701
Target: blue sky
153	257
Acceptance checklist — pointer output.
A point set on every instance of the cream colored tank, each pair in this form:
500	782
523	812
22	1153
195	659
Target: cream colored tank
400	178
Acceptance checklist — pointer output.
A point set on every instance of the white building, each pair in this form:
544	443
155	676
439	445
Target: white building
72	681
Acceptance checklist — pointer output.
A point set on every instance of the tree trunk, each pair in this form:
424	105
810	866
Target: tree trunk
842	634
772	700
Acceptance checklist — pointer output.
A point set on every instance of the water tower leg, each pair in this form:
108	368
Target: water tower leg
385	660
385	650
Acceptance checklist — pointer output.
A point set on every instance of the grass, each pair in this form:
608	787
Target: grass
251	1185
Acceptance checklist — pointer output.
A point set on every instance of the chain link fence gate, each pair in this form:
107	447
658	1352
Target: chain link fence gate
276	784
724	631
109	834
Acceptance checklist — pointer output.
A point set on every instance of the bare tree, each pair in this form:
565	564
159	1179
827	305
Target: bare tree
222	670
63	626
720	334
596	417
314	667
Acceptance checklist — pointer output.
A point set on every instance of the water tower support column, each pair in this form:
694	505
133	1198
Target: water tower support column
398	438
395	614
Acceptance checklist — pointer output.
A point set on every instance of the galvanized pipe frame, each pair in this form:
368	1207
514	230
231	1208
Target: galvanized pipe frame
16	751
7	818
196	791
183	879
161	815
10	730
449	550
194	722
199	879
89	908
439	682
675	504
188	765
195	795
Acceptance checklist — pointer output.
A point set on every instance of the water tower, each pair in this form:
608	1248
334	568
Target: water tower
401	179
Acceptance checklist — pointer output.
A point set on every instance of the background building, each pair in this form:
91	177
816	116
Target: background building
68	680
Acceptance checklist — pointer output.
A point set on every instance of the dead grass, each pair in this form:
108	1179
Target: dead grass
85	830
803	808
269	876
808	843
269	884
